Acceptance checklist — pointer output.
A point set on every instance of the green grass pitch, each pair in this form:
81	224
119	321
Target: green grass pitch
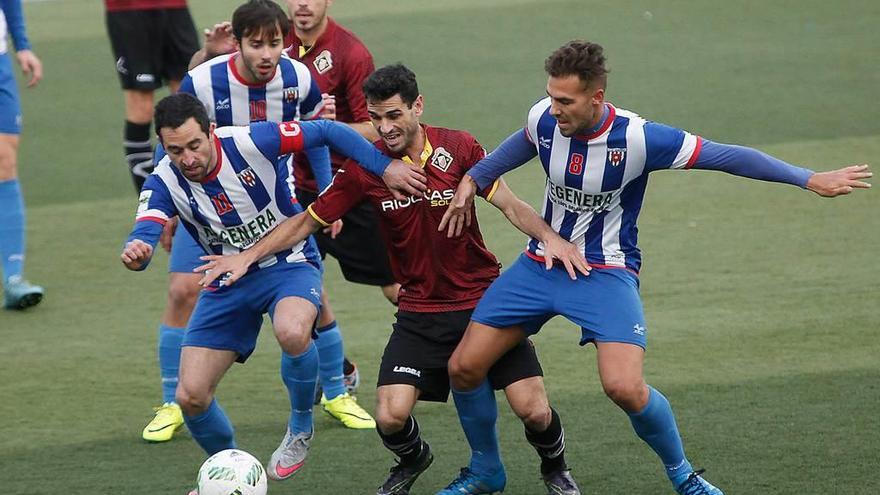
761	299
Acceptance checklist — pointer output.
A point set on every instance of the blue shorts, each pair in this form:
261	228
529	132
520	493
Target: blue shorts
10	109
185	252
606	304
230	318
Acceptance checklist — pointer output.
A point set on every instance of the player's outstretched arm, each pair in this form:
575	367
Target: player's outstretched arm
841	181
288	233
527	220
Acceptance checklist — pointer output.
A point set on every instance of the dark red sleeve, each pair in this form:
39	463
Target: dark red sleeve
346	190
358	68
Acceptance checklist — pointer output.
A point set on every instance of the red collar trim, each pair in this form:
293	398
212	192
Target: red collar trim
216	171
605	125
240	78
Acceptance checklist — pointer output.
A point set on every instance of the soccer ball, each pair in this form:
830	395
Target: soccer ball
232	472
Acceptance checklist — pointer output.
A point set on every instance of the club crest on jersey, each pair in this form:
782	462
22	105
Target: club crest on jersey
442	159
221	203
323	62
616	156
290	95
247	177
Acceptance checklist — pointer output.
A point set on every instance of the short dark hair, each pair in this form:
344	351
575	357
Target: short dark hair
173	111
392	80
259	16
580	58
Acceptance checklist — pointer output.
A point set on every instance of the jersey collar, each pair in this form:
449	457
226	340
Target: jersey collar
600	128
214	173
241	79
426	153
301	50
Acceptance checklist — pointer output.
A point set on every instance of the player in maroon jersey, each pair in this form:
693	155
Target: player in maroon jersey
441	281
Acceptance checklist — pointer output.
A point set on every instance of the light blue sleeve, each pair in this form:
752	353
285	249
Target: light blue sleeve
510	154
15	23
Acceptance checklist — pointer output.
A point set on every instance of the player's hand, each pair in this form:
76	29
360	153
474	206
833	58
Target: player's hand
31	66
167	236
458	213
404	180
136	254
557	248
329	110
219	40
334	229
230	268
840	181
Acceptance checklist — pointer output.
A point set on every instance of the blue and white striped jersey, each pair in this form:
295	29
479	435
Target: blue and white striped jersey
596	183
291	94
243	199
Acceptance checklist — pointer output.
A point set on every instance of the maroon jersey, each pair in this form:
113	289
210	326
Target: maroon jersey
435	273
339	63
118	5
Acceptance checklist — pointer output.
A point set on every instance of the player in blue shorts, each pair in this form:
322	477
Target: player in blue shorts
229	190
597	159
18	292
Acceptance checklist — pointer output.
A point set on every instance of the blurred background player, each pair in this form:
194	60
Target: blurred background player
339	63
229	188
597	159
18	293
441	292
152	42
253	83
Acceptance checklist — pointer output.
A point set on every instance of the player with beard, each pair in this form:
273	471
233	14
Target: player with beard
441	281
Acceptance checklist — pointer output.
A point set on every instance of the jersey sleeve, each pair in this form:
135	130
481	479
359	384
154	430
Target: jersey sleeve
312	104
357	71
187	86
670	148
15	24
155	207
275	140
346	190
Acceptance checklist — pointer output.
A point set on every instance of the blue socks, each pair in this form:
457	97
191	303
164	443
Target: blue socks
211	429
330	357
655	424
478	412
300	374
11	229
170	339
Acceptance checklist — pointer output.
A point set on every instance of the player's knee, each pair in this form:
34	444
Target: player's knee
294	336
193	402
628	394
389	420
183	292
535	413
463	375
8	159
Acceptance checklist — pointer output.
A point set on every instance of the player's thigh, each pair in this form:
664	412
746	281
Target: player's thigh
621	371
8	156
179	42
480	348
292	292
201	369
227	318
133	38
394	404
418	350
606	305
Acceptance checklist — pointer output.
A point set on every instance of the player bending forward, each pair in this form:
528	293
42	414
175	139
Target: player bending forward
228	189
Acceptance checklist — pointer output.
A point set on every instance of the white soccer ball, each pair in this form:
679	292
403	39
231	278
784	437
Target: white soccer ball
232	472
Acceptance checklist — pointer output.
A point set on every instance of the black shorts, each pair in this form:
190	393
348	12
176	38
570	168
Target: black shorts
421	344
151	46
359	247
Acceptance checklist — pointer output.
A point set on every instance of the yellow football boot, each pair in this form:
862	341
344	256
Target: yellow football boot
168	419
346	409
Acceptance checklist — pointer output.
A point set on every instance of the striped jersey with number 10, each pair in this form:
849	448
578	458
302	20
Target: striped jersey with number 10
291	94
243	199
596	183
